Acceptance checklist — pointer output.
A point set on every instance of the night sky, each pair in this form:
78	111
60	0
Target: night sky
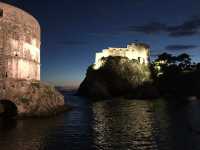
73	30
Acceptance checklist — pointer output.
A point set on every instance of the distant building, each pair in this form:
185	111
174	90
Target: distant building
137	51
19	44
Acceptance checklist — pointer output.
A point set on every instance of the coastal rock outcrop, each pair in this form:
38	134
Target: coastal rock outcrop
118	77
31	98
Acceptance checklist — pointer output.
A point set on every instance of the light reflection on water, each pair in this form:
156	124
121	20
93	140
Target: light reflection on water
108	125
129	125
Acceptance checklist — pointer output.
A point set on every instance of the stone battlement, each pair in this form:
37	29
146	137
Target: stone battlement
137	51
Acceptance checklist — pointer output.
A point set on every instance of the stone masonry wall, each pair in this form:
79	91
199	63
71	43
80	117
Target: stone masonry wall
19	44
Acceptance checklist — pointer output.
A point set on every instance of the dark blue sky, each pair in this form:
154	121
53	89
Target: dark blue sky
73	30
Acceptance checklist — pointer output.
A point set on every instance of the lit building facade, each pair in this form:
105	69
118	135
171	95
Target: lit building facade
137	51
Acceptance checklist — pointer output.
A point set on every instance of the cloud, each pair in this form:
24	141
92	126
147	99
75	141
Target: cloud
187	28
151	28
180	47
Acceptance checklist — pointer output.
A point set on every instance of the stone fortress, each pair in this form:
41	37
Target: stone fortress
21	92
137	51
19	44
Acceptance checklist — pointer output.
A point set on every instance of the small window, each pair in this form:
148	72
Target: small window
1	12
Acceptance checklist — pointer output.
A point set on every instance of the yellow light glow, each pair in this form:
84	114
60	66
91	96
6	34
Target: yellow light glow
133	51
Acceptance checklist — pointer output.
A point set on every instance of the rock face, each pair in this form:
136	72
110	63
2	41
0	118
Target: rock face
32	98
118	77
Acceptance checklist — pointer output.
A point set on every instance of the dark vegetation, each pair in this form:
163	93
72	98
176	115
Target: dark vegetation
176	75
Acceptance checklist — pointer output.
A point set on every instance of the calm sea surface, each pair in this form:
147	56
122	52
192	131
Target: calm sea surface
108	125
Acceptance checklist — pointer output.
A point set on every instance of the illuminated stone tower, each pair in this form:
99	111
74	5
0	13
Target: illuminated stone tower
19	44
137	51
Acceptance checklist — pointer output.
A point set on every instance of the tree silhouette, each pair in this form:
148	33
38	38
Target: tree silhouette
165	58
184	61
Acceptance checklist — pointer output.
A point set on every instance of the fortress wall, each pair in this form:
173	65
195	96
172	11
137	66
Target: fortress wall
134	51
28	51
19	18
141	54
23	69
19	44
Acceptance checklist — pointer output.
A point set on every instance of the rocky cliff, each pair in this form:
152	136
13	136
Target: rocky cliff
118	77
31	98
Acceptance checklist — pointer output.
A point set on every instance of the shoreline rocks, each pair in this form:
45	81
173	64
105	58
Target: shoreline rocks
32	98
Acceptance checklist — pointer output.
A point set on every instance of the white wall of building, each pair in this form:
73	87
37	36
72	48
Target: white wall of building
140	53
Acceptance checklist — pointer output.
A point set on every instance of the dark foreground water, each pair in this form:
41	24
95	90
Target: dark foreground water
108	125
